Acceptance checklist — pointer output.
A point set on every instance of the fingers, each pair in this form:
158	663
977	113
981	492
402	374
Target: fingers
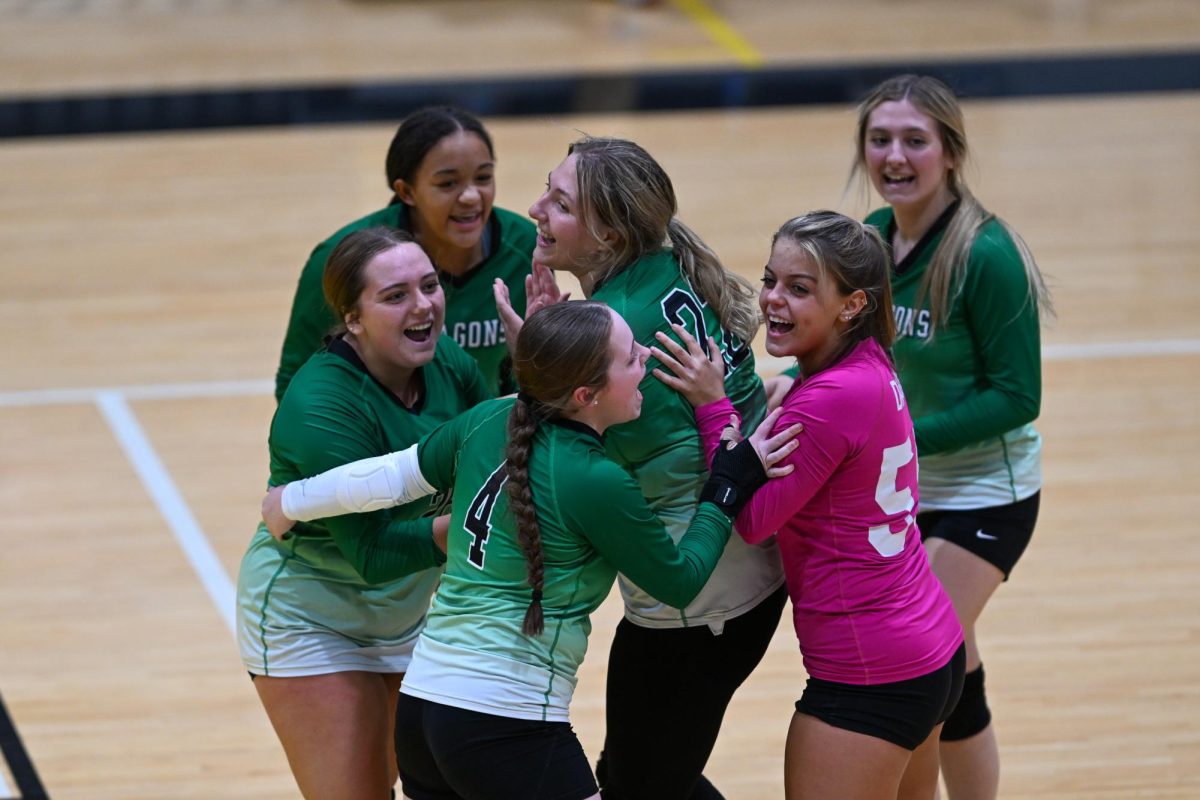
776	454
773	448
508	315
701	377
764	428
541	289
690	352
500	292
677	360
672	345
771	441
731	434
684	336
544	282
670	380
788	435
693	346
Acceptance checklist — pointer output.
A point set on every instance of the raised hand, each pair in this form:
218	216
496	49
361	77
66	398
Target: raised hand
698	376
541	290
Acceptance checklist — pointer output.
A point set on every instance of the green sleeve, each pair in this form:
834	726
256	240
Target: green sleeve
792	372
475	387
1005	331
437	452
321	428
612	514
310	320
384	549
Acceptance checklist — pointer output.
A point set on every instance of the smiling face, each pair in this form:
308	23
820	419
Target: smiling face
399	314
905	157
564	241
450	199
805	313
620	400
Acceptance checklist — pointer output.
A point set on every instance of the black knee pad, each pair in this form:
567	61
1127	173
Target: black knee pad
971	715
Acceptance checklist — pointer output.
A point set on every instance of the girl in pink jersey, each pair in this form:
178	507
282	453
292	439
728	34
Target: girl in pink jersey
880	639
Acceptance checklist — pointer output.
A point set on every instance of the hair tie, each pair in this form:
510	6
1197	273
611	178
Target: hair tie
537	595
525	398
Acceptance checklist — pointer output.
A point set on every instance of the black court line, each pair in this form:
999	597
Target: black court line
19	763
104	113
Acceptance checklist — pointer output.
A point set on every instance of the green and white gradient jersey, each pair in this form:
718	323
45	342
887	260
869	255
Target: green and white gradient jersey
594	521
471	317
975	387
333	413
662	448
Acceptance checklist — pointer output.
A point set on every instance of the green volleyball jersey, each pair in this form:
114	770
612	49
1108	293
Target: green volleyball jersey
471	317
662	448
593	520
975	387
333	413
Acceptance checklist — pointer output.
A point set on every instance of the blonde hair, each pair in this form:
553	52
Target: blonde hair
944	276
623	188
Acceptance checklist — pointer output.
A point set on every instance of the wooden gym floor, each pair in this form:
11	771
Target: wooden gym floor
147	280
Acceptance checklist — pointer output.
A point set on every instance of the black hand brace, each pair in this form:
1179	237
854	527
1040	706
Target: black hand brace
735	475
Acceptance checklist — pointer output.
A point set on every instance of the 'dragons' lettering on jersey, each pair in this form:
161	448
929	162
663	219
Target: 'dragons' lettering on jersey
476	333
912	323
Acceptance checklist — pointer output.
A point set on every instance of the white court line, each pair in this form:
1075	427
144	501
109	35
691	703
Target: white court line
170	502
112	403
1159	347
159	391
258	388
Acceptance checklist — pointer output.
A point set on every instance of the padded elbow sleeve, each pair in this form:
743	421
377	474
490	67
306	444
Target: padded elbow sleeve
361	486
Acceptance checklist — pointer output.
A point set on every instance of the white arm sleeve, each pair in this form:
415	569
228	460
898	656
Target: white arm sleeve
366	485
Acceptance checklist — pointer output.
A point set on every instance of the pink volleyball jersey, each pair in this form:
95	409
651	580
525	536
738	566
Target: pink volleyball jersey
867	607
